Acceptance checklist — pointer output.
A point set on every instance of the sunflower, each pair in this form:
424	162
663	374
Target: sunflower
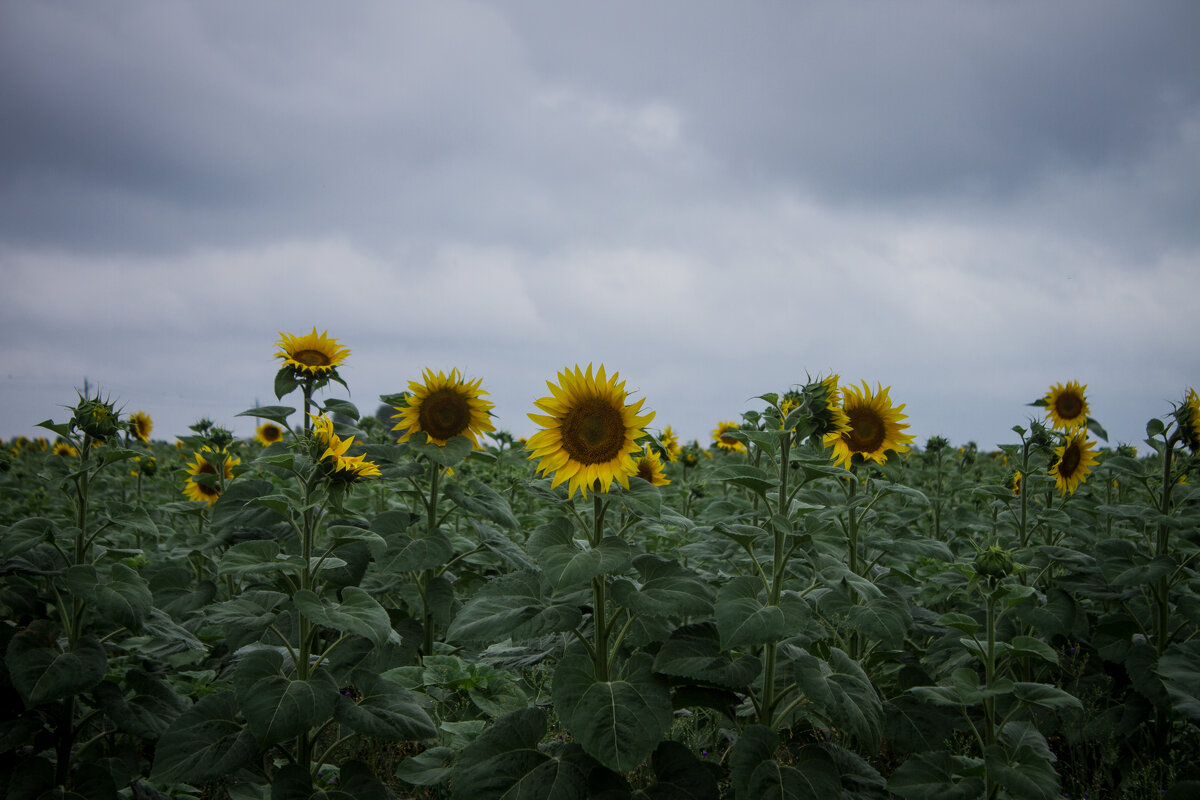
66	450
1066	407
589	433
650	467
204	492
1017	482
875	426
1188	418
726	442
825	402
268	434
349	469
312	355
140	425
1073	462
670	443
444	406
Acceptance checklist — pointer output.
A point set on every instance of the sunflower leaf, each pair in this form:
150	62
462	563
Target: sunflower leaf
567	562
285	382
277	414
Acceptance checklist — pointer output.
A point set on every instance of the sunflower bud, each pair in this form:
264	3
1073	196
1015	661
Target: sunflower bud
936	444
97	418
148	466
1127	450
1039	436
220	437
6	459
995	562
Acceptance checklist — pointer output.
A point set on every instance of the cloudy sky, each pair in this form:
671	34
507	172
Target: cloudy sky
967	201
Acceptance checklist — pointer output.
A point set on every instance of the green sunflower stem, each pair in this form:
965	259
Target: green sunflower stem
766	711
428	625
308	392
1161	588
599	586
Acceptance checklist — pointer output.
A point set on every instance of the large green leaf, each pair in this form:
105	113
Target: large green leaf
358	613
1178	671
505	762
356	781
619	721
750	477
149	712
41	671
694	652
938	776
668	589
383	710
570	563
680	775
841	692
517	606
756	775
257	557
429	550
125	598
276	706
744	618
204	743
483	501
1024	772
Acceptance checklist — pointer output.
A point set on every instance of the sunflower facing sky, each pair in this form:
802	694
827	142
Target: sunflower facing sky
311	355
200	492
1073	462
724	441
589	432
1066	406
875	426
650	467
444	406
140	425
268	434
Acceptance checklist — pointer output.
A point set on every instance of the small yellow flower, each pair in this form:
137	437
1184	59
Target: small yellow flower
311	355
65	450
140	425
724	441
200	492
268	434
650	467
670	443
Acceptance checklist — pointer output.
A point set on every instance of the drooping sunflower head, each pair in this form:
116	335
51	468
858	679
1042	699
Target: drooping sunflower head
1187	417
824	400
1066	406
268	434
140	425
723	439
444	406
208	490
670	443
650	467
311	355
589	433
1016	482
1073	462
875	427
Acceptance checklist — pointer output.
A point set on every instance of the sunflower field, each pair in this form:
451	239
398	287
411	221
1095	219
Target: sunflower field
412	603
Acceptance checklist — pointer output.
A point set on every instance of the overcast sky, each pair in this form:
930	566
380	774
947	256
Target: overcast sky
967	201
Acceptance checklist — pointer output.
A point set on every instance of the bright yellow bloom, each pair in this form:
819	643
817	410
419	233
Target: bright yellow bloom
1066	407
670	443
204	493
724	440
445	406
589	433
875	426
1017	482
1073	462
66	450
650	467
825	402
268	434
140	425
312	354
1188	418
339	466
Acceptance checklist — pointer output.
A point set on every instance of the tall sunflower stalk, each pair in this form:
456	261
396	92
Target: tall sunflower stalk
309	361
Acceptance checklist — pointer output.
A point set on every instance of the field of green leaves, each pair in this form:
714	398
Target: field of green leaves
412	604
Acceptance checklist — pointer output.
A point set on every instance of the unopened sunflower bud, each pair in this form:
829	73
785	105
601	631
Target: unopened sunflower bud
97	418
995	562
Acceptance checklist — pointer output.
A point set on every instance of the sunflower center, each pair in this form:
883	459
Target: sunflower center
645	471
1068	405
271	433
729	440
867	430
1070	461
444	414
593	432
312	358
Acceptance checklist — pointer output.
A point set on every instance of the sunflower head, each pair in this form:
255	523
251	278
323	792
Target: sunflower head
589	432
824	400
1187	417
205	482
874	427
97	418
65	449
268	434
1066	406
936	444
723	439
670	444
442	407
994	563
1073	462
1017	481
140	425
650	467
312	355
